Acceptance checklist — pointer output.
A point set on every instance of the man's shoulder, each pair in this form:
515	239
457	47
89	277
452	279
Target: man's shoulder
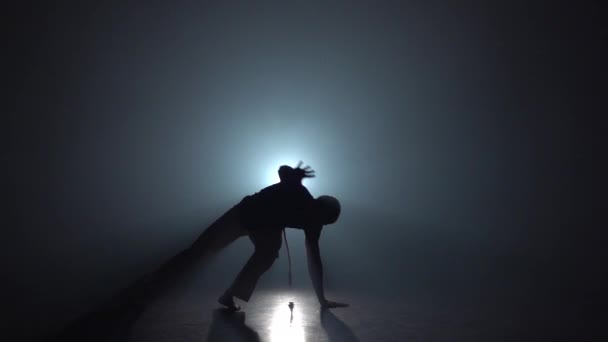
288	187
283	191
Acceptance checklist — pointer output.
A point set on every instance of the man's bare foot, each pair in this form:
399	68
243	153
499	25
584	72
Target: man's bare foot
229	303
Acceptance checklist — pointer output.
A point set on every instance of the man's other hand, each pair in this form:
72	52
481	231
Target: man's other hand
289	174
306	172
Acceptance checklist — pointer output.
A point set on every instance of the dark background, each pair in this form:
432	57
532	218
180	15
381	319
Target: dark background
462	140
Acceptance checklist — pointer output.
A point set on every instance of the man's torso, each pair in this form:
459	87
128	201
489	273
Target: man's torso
276	207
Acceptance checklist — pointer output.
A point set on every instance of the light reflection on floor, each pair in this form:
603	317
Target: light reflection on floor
194	316
286	325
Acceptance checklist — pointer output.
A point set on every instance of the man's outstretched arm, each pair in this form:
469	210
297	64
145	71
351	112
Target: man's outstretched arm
315	267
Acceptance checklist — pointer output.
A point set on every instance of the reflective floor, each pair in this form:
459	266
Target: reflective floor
194	316
267	317
187	311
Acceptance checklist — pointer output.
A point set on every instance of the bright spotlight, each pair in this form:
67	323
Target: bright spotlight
287	325
272	172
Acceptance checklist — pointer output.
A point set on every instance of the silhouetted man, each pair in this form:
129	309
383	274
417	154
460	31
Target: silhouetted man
263	216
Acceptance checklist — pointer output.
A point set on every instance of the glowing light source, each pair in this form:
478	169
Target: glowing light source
268	169
284	326
272	173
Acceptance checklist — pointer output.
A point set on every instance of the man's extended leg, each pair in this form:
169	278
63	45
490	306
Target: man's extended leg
218	235
267	245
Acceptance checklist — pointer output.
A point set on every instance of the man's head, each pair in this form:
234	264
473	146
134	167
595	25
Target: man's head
327	209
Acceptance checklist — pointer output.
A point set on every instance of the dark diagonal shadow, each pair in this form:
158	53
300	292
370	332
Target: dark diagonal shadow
114	319
336	330
230	327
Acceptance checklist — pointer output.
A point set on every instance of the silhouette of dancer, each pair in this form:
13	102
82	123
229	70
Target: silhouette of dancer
263	216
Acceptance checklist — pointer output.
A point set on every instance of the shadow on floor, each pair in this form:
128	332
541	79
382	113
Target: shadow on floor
336	329
230	326
113	320
110	323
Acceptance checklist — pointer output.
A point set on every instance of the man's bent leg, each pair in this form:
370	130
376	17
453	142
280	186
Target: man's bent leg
267	246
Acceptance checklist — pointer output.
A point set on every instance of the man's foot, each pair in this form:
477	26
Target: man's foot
229	303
